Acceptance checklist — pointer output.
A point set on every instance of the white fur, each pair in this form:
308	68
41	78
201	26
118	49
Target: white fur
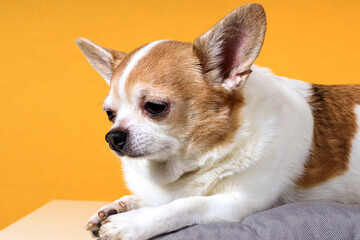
261	133
235	177
230	183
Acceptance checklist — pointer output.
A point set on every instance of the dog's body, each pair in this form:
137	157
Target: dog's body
282	134
207	137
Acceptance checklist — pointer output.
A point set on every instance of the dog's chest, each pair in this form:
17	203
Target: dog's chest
203	181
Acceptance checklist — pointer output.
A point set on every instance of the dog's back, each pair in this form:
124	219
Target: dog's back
332	170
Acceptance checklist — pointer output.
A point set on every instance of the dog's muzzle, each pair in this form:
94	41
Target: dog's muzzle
116	140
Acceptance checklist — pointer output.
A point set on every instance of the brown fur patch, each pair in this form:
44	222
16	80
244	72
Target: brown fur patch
334	128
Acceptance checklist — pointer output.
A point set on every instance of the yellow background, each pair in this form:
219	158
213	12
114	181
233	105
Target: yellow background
52	127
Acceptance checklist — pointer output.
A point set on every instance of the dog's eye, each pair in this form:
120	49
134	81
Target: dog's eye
155	108
111	115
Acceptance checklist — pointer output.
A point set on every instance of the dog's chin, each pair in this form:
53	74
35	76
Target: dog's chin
153	156
129	154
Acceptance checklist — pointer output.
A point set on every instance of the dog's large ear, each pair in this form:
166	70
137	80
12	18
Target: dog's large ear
228	50
104	60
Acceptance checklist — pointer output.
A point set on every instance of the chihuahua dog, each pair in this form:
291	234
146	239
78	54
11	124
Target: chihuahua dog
205	136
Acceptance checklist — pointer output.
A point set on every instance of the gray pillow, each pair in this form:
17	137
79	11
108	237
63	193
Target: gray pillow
305	220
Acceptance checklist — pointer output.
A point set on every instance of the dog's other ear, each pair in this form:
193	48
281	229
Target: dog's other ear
228	50
104	60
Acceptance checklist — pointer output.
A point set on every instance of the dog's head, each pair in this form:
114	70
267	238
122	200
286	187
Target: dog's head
170	98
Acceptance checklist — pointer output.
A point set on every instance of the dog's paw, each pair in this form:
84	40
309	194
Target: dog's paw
126	226
124	204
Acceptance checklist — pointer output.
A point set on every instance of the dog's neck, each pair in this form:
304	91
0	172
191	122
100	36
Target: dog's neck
163	172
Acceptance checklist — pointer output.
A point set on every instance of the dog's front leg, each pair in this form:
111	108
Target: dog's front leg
148	222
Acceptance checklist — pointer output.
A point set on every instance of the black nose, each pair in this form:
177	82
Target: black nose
116	140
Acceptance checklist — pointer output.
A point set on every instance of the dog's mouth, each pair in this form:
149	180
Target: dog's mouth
138	153
128	152
118	152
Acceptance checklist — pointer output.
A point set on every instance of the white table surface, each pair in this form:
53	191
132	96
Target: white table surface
58	219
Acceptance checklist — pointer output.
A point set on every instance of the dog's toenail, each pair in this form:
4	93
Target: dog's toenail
89	226
104	222
101	214
122	204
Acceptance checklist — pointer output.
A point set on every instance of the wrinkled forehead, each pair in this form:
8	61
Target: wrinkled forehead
161	66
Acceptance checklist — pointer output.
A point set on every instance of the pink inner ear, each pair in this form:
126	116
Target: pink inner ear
234	51
103	63
236	80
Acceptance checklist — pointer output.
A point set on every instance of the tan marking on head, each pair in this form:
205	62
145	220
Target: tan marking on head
201	114
164	63
115	81
334	128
